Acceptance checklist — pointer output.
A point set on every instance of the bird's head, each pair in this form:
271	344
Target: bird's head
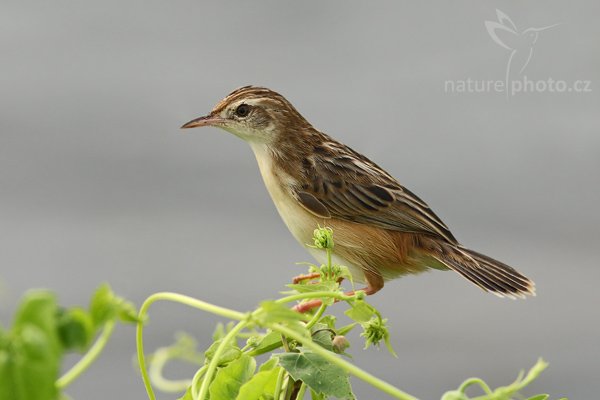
255	114
532	34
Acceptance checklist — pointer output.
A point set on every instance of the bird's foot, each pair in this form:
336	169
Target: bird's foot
307	306
302	278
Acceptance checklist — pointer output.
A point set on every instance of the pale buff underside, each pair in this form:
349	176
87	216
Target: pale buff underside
363	249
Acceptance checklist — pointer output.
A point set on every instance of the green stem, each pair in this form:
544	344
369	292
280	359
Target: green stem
279	384
475	381
246	347
314	295
177	298
88	358
317	316
288	387
160	360
197	376
212	367
301	392
350	368
514	387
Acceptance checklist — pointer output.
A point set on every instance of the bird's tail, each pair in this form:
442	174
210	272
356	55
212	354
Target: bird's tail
485	272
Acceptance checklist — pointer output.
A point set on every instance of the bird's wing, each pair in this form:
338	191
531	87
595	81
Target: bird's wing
504	36
346	185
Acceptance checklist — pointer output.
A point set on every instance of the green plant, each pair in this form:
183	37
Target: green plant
31	352
307	351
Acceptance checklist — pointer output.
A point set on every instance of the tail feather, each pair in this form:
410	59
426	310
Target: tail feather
502	269
489	274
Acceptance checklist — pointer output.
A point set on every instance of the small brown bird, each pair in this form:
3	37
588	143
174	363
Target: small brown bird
382	230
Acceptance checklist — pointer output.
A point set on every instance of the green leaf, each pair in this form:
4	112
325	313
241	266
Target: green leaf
229	379
322	336
268	365
539	397
327	286
29	359
75	328
102	305
231	353
6	378
329	321
346	328
318	373
272	312
316	396
39	308
32	352
127	312
261	385
267	343
361	311
106	305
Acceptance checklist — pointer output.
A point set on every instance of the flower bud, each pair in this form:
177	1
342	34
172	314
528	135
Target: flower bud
340	344
323	238
253	341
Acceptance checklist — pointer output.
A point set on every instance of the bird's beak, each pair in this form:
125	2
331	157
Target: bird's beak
547	27
207	120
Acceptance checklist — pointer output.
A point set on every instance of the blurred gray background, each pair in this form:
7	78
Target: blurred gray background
98	184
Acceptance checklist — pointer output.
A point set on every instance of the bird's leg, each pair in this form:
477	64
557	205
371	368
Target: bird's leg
306	306
301	278
309	305
374	285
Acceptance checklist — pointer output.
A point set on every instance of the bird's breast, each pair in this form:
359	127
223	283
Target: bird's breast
300	222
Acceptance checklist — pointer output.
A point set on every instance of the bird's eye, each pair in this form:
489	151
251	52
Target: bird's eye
242	110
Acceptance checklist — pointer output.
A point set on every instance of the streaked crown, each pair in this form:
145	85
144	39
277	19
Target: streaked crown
257	113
